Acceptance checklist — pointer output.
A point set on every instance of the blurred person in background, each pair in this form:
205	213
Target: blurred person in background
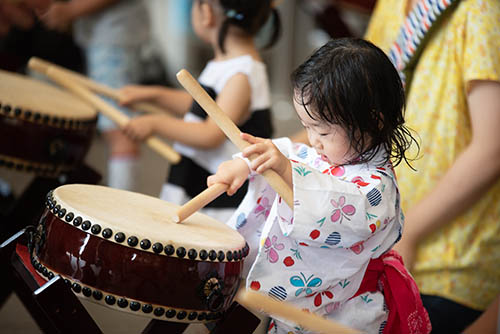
112	34
19	13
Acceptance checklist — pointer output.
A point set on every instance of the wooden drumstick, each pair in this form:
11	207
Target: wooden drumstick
199	201
114	114
231	130
285	310
42	66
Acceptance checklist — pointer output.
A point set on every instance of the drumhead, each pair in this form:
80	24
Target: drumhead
143	217
19	91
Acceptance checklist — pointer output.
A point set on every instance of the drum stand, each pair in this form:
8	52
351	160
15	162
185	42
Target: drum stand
28	207
52	304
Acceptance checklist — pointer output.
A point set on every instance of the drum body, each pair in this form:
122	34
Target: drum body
121	249
43	129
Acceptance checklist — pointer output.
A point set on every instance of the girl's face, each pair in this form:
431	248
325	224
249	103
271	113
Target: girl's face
329	140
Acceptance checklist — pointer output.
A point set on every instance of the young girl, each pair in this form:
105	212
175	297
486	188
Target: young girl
236	78
331	253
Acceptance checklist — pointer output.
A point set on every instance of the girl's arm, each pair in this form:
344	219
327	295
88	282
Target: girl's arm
174	100
468	179
234	99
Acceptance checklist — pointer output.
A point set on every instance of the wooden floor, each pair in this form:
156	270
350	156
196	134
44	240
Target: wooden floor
14	319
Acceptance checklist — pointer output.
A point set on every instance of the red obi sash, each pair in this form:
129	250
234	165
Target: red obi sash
406	312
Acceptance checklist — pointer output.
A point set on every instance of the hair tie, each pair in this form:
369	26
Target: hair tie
233	14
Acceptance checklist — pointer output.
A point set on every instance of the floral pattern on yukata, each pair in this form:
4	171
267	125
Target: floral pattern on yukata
315	255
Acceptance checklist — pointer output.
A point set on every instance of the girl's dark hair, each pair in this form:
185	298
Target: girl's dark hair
250	16
352	83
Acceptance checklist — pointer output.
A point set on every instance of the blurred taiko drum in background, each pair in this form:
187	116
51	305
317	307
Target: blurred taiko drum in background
43	129
122	249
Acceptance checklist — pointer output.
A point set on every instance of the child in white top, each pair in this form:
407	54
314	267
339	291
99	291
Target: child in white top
236	78
331	253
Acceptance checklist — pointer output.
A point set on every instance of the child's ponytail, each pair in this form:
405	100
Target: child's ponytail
222	34
250	16
276	28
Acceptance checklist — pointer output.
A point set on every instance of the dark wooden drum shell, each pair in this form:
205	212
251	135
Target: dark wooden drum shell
41	148
43	129
135	275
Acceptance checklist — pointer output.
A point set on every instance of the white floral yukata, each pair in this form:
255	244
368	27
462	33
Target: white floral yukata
316	256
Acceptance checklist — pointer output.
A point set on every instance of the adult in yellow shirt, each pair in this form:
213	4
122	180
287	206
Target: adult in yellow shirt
451	239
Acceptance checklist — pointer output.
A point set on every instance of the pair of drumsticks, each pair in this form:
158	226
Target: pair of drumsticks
83	87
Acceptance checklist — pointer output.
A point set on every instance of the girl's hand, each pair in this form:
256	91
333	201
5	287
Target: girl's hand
134	93
232	172
140	128
268	155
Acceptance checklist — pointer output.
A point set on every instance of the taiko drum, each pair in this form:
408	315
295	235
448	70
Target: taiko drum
43	129
122	250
